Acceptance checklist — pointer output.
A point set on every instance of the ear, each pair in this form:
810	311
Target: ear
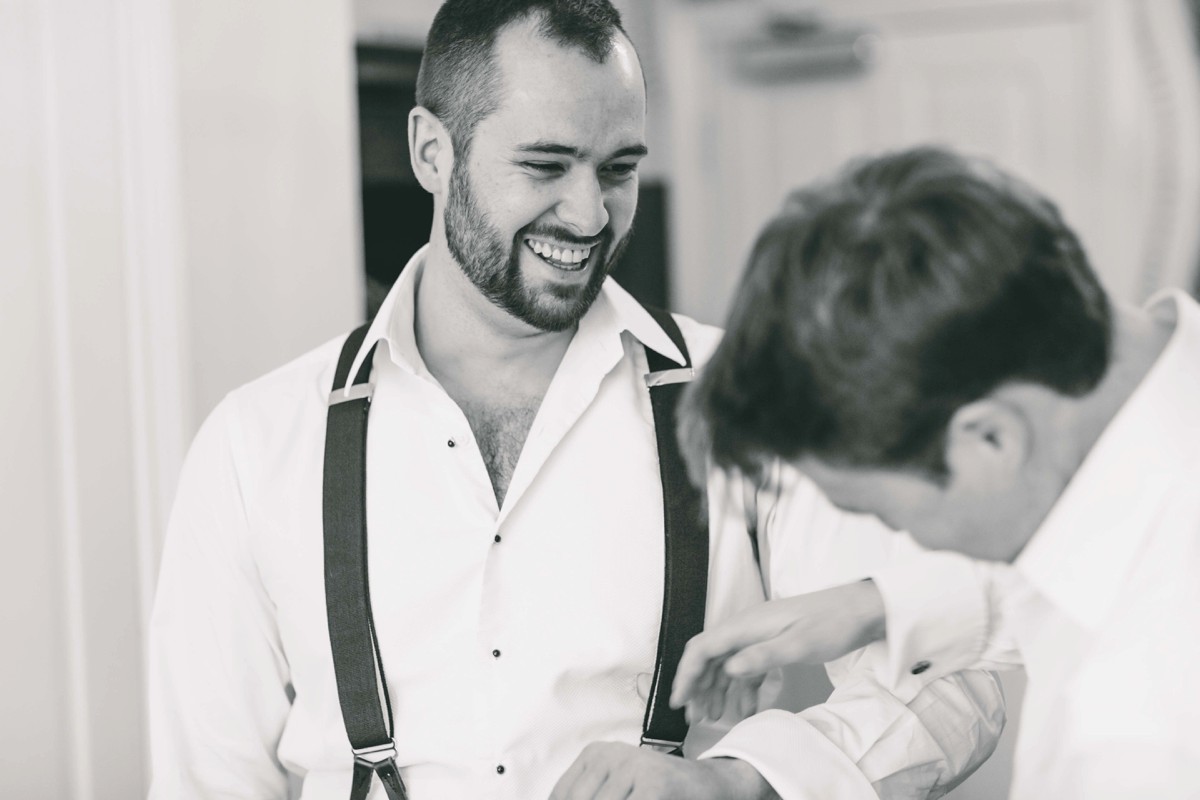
430	150
988	442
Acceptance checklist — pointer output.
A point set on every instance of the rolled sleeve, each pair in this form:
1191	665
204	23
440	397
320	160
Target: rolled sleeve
866	742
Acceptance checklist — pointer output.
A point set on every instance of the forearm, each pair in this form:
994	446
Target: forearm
867	612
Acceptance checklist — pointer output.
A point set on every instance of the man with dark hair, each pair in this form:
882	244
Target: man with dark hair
939	281
924	339
515	496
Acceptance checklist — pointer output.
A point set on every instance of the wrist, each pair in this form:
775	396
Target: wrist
738	780
871	611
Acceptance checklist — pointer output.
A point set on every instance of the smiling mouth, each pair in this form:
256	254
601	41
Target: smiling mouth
568	259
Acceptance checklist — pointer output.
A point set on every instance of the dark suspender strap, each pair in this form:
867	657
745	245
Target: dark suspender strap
362	686
685	582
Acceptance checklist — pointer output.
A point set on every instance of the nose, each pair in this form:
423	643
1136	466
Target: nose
582	205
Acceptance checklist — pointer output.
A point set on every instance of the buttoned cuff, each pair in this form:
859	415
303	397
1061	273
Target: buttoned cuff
936	605
774	741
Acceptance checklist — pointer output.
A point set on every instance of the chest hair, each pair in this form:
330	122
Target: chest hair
501	431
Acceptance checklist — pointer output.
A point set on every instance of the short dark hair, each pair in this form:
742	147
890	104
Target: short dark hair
876	305
458	80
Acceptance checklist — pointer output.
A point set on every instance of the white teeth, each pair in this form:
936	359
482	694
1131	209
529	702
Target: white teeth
565	256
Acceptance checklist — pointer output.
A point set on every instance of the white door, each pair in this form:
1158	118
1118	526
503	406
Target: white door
1094	103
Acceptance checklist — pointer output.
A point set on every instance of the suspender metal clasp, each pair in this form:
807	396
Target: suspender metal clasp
354	392
376	755
662	745
668	376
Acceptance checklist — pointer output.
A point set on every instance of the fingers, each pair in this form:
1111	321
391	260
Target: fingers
587	779
614	788
741	699
728	698
574	774
744	694
754	625
697	667
714	705
603	771
759	659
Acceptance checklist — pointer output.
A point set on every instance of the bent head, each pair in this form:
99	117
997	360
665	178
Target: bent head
899	335
529	130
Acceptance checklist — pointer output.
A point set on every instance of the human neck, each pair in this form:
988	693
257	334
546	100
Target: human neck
465	339
1074	425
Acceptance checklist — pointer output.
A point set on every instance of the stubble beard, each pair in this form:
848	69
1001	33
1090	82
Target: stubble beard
495	270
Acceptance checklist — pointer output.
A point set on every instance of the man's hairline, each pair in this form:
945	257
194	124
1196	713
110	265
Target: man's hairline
494	71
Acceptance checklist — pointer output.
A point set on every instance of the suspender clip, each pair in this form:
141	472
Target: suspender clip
668	376
375	755
662	745
355	392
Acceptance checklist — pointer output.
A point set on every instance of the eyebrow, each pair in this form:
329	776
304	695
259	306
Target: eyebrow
566	150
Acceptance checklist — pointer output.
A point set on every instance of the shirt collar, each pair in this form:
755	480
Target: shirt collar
614	312
629	315
393	323
1090	539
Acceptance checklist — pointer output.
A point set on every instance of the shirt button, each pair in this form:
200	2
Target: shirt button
450	443
495	654
499	769
920	667
497	539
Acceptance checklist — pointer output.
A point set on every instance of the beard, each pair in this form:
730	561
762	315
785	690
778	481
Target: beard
494	266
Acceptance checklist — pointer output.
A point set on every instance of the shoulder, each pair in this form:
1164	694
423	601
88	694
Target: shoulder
277	418
303	381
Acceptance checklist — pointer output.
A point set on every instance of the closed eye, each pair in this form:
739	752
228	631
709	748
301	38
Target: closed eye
544	167
620	170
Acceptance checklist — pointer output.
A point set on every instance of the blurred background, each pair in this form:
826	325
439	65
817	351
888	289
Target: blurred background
192	193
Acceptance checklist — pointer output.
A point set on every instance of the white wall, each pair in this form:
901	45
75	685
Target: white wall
177	214
269	155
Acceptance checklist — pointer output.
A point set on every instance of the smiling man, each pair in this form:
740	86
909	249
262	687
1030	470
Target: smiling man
515	498
924	338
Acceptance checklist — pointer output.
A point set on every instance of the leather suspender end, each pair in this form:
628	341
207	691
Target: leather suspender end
355	392
668	376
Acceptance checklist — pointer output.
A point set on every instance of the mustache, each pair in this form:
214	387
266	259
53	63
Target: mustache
565	236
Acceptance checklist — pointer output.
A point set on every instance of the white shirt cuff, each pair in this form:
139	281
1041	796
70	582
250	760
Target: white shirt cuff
937	614
772	741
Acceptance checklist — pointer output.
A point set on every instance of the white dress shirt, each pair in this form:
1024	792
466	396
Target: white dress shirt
1104	601
810	544
511	636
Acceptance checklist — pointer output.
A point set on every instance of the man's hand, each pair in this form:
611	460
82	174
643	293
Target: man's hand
613	771
722	668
